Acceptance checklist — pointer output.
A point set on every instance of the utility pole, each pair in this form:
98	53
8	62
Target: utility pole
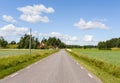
30	42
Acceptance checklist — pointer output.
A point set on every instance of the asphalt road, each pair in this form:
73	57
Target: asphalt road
57	68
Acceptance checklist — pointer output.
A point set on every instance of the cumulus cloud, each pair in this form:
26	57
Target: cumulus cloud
64	37
11	29
8	18
34	14
88	38
82	24
74	40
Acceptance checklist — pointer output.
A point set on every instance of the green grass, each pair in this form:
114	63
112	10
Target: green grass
11	52
107	72
109	56
13	63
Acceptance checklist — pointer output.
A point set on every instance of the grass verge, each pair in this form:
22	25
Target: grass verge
11	64
106	72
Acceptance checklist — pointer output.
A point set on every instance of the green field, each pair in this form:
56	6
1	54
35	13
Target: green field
12	60
109	56
11	52
14	52
105	64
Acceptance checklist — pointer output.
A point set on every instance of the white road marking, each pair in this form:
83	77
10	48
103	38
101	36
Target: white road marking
28	67
36	63
14	74
77	63
90	75
69	50
81	67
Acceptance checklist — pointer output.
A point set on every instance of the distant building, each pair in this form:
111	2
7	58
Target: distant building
42	45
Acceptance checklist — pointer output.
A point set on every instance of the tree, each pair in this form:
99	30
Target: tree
12	42
108	44
3	42
52	42
44	40
24	42
101	45
35	43
114	42
73	46
118	43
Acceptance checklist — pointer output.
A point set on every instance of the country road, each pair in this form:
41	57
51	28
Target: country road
57	68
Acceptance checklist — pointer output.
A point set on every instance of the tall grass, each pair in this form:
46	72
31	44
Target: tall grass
10	64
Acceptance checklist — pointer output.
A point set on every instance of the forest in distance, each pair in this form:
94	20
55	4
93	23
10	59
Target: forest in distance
53	42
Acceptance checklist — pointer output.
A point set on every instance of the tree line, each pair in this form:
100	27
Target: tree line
114	42
24	43
53	42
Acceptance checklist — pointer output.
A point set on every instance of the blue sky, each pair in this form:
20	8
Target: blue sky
79	22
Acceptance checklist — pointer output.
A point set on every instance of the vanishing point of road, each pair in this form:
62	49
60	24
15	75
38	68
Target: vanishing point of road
57	68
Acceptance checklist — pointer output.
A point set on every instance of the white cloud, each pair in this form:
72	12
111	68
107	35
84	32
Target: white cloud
8	18
64	37
82	24
11	29
88	38
71	40
34	33
33	14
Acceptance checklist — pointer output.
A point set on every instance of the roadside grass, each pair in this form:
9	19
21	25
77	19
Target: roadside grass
11	64
108	73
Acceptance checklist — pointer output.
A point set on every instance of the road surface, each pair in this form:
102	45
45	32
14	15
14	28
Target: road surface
57	68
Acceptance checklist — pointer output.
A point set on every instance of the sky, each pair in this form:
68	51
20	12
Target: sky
78	22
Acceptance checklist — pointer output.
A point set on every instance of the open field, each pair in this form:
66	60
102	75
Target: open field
103	63
109	56
13	60
11	52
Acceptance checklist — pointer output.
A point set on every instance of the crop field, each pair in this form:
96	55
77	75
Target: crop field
109	56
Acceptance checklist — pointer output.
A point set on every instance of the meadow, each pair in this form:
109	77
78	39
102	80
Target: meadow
14	52
11	52
105	64
12	60
108	56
